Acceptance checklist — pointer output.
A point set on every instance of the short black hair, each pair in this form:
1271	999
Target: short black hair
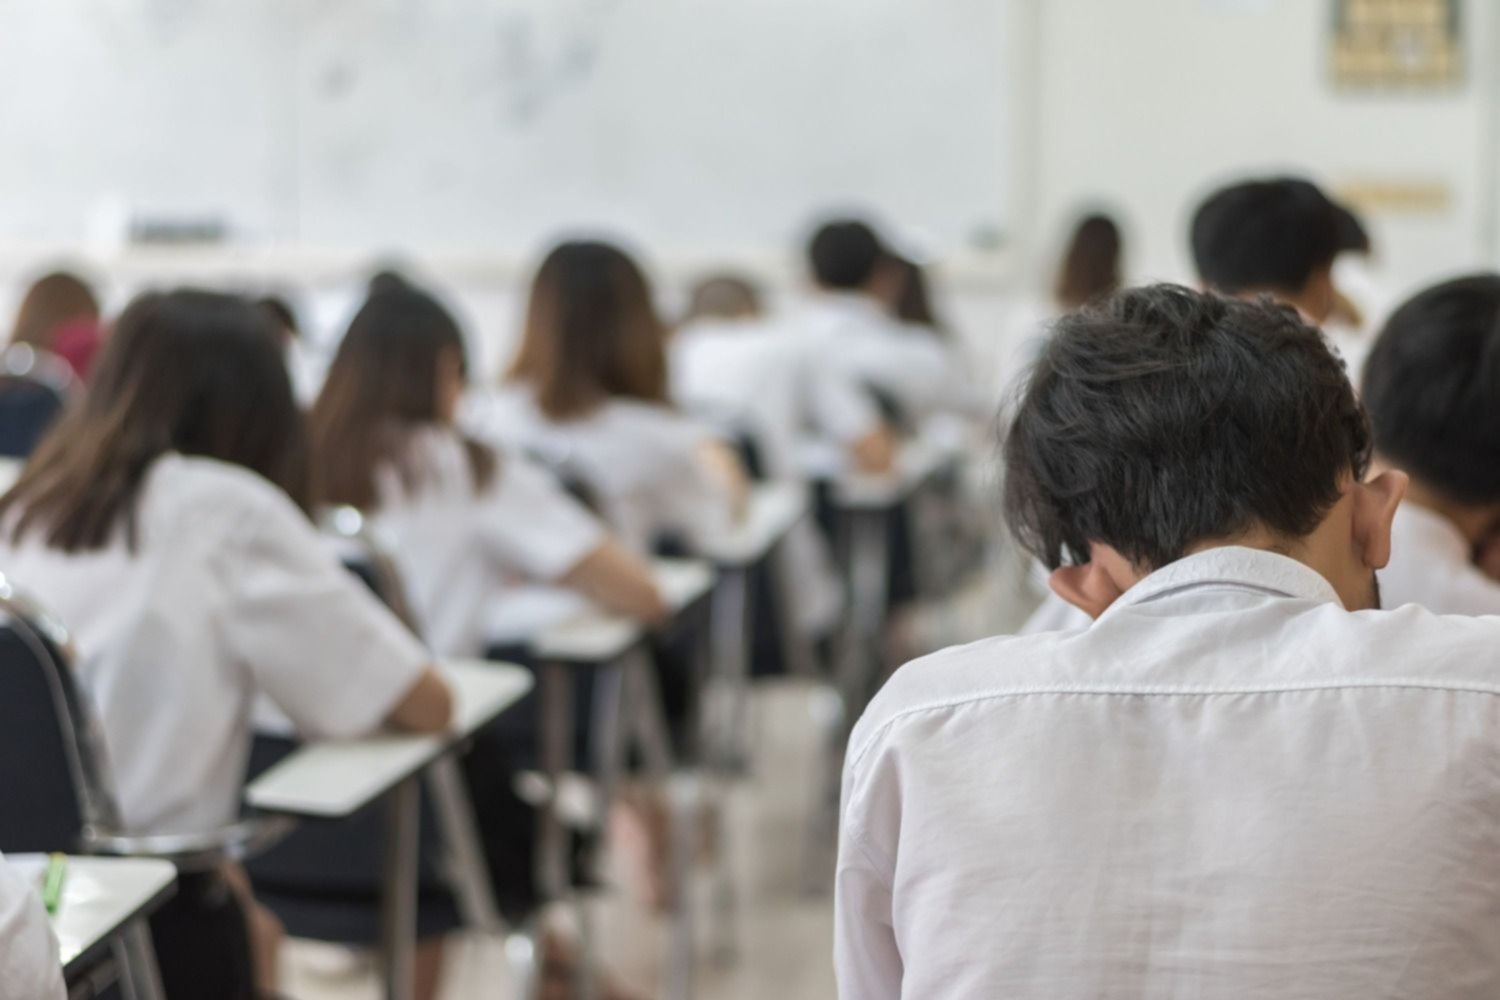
1264	235
844	254
1165	417
1432	385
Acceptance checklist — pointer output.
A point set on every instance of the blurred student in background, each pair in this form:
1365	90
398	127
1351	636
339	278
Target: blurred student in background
1276	237
163	520
59	316
1092	267
588	390
1432	387
464	523
847	326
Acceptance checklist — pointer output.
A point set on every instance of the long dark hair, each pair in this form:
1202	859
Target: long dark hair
592	333
908	298
187	371
1091	266
383	383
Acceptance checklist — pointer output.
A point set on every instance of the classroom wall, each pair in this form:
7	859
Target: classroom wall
1142	105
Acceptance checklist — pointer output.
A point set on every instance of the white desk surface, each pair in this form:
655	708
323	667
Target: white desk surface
773	509
100	895
599	637
330	779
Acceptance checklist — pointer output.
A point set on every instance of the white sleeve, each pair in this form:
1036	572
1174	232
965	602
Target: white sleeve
29	964
866	958
312	636
534	526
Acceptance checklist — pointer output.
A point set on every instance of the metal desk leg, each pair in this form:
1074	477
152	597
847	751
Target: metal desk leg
398	905
468	872
725	742
135	960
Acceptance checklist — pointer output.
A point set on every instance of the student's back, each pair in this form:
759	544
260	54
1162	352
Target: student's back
589	388
1239	781
1227	787
190	582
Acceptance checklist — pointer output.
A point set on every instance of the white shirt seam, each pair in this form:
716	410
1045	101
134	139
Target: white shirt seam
1170	690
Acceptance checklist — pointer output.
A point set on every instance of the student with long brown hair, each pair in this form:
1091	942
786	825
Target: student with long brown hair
1092	266
163	520
465	523
589	385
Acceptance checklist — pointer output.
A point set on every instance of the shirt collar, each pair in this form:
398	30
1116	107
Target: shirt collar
1231	566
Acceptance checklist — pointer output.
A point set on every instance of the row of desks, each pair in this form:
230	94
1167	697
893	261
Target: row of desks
334	779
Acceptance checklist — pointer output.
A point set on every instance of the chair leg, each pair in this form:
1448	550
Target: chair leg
135	958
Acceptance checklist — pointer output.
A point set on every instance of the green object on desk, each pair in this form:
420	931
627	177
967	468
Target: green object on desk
52	886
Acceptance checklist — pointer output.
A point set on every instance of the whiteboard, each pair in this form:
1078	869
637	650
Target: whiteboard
492	125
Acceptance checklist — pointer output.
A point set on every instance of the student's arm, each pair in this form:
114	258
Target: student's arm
29	963
616	579
315	640
865	956
535	527
728	472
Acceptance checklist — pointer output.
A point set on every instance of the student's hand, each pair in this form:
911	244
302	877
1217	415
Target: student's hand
427	706
875	453
729	472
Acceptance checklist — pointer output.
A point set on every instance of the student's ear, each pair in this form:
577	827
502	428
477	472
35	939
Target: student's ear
1375	503
1087	586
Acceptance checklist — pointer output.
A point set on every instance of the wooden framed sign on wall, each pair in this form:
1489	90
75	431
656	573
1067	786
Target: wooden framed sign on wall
1397	44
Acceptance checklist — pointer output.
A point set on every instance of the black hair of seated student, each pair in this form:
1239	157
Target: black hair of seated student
1432	386
845	255
902	287
282	316
1353	236
189	371
1091	267
387	279
1272	235
387	378
723	296
1165	417
592	333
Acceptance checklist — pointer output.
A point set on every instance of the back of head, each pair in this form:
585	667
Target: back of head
844	255
1091	265
592	332
1353	236
194	372
1164	418
1265	235
53	302
386	378
903	287
1432	386
723	296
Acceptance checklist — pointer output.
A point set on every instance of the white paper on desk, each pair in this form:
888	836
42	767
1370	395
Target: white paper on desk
525	611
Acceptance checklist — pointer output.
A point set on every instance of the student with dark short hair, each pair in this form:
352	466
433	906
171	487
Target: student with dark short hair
1275	237
1241	780
1432	385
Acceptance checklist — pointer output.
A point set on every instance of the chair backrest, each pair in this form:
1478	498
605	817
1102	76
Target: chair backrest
27	409
52	789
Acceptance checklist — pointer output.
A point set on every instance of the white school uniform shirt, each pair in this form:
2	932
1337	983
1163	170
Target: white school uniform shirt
464	549
1228	787
848	332
1430	566
749	375
229	592
30	967
642	461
